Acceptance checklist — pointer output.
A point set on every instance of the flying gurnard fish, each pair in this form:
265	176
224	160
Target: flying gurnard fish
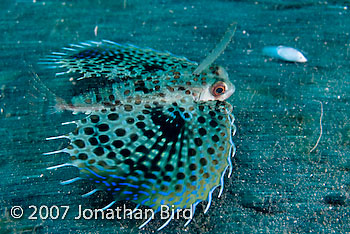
158	131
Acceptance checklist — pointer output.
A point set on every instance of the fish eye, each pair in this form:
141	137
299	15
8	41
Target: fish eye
218	88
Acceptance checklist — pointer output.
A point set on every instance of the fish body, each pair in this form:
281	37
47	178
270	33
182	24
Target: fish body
156	133
284	53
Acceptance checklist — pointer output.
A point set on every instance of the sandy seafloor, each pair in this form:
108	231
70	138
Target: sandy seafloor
278	185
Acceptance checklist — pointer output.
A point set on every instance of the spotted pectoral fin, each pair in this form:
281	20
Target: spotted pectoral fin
122	148
113	61
154	153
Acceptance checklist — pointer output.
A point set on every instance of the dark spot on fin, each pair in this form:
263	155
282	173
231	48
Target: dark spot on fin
153	67
169	125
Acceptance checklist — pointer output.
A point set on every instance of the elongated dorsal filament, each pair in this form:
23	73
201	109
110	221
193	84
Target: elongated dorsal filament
218	49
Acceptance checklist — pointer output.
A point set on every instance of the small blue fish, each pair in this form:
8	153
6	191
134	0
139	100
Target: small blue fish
284	53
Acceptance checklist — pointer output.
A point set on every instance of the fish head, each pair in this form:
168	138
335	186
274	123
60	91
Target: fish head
217	87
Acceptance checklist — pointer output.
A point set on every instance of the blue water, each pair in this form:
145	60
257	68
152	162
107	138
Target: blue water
277	185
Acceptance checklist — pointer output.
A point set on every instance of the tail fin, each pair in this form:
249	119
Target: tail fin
41	91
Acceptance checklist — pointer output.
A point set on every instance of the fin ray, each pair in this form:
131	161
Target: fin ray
109	205
59	166
167	222
146	222
218	49
70	181
54	152
90	193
